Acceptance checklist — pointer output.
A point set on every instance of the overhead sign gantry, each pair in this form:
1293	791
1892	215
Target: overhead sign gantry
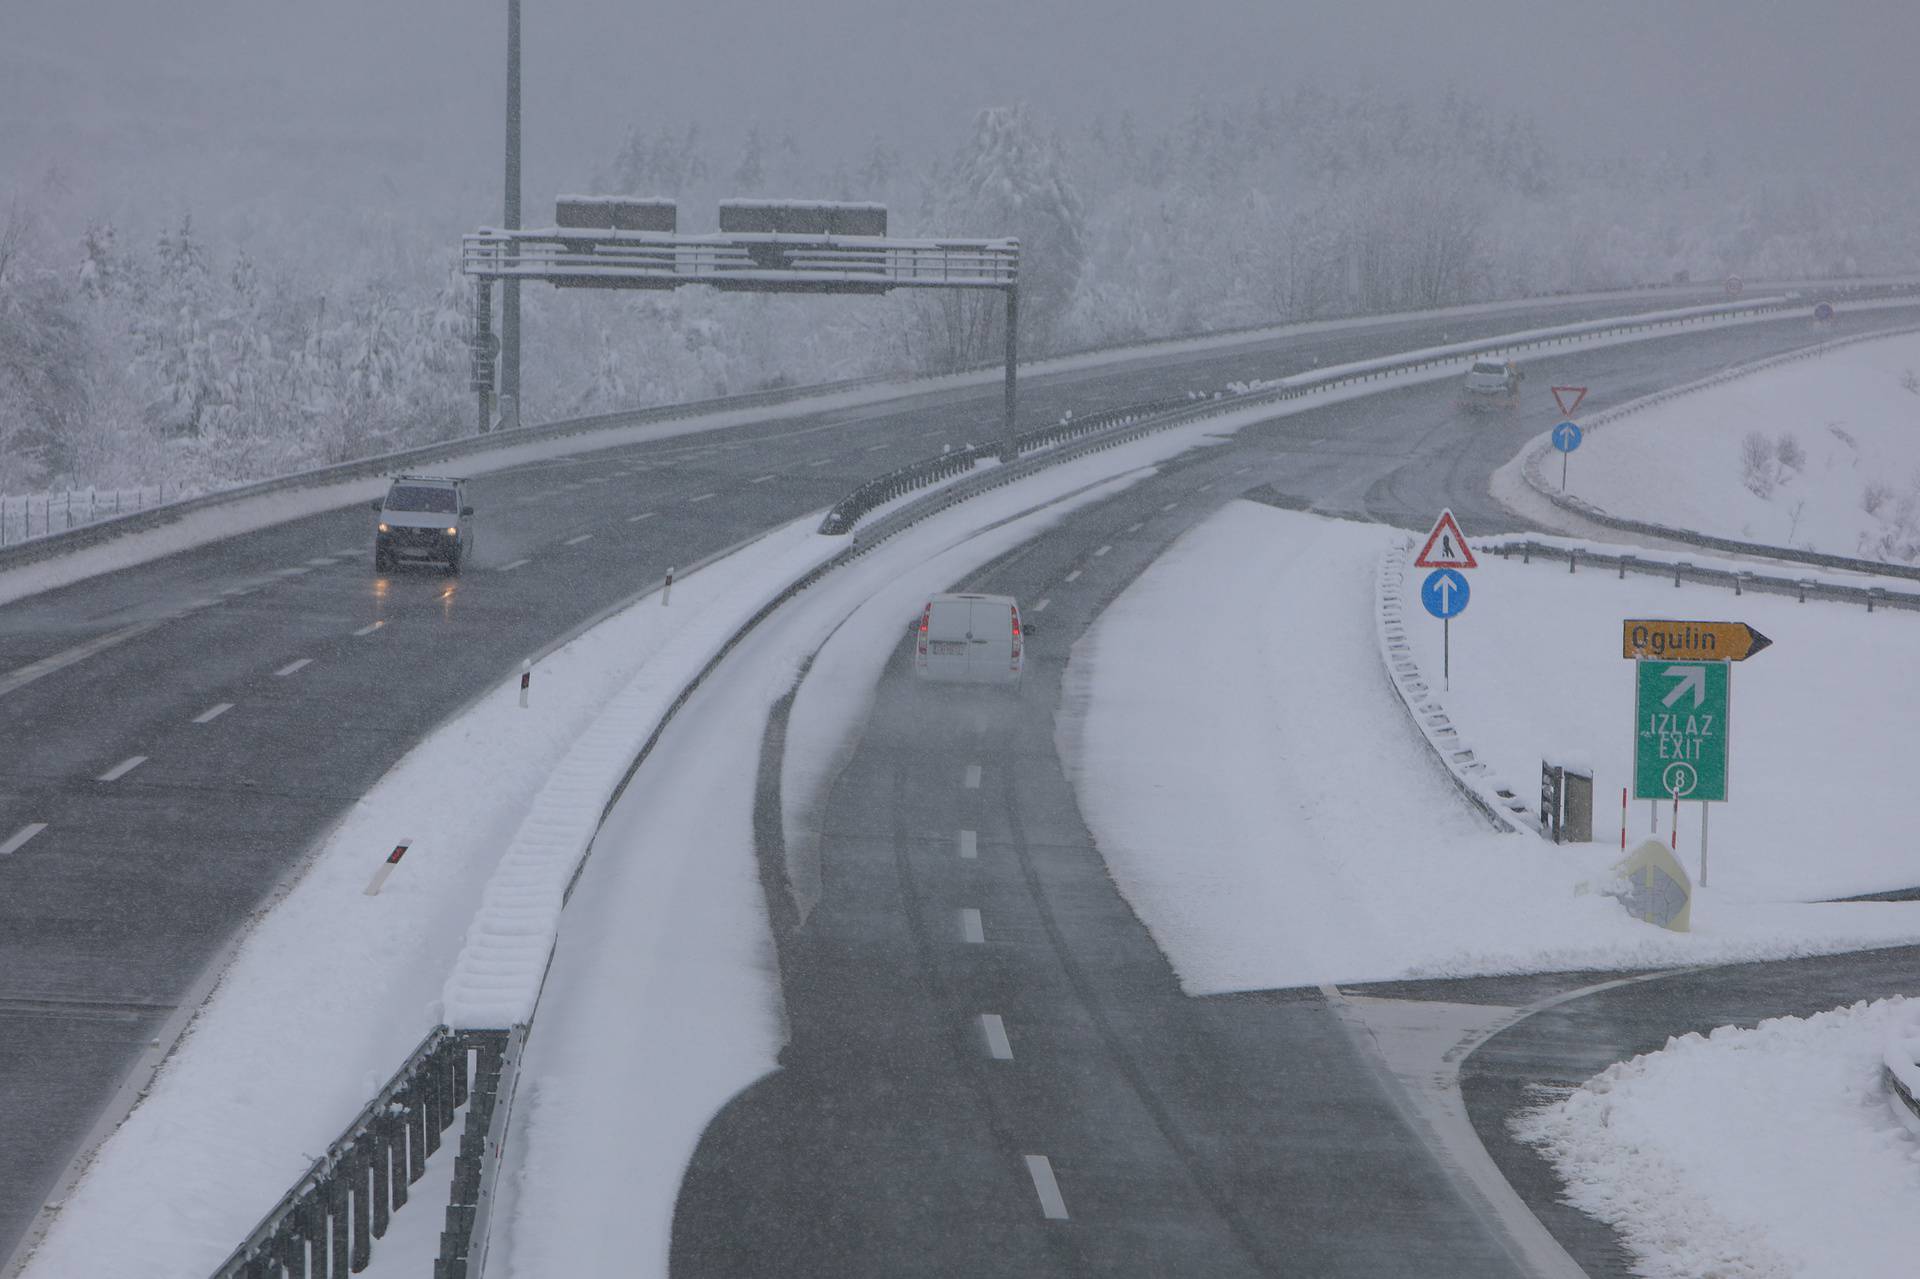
762	246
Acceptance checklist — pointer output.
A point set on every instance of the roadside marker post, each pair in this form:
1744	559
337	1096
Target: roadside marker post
379	879
667	590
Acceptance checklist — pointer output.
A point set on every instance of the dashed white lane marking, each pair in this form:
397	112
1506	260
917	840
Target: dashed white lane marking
973	777
232	591
1242	470
16	840
213	712
121	769
321	562
820	461
596	479
1074	576
1102	551
1169	506
644	515
296	571
1207	486
575	541
369	628
969	844
509	567
1051	1204
875	448
996	1031
293	666
703	497
761	480
1135	528
971	930
1041	607
351	553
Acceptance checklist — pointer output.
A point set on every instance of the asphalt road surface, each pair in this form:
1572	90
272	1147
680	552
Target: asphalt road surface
182	733
992	1070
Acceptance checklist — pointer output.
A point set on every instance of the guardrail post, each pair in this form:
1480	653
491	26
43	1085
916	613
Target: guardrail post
358	1166
337	1240
1804	586
1625	560
382	1139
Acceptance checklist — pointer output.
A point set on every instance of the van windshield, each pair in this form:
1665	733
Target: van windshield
420	497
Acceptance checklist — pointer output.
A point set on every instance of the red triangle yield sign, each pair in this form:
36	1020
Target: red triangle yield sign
1560	394
1446	546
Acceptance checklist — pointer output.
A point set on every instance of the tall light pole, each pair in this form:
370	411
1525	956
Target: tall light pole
510	288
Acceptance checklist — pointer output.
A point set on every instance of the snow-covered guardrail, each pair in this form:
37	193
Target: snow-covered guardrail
1900	1073
1537	453
1499	804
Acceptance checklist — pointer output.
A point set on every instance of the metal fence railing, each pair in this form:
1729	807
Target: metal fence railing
21	514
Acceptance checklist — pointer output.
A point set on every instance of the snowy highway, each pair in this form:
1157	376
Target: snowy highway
198	723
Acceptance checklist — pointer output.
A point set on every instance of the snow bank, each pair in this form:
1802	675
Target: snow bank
1288	827
1833	466
1759	1153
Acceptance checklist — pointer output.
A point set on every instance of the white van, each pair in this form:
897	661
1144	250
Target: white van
969	639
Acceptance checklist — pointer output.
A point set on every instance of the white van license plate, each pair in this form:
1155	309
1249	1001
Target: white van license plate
947	648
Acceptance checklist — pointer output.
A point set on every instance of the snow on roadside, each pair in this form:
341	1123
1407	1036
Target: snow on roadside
1835	464
1285	825
331	988
1760	1153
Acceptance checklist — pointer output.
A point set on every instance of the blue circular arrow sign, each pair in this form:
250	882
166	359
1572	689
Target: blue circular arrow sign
1566	436
1444	593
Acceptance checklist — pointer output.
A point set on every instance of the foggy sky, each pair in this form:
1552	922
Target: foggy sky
305	104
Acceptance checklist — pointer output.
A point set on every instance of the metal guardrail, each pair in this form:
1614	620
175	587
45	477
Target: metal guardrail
1738	580
72	508
1529	471
325	1226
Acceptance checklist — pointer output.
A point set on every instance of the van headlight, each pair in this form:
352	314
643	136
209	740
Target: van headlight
453	532
384	528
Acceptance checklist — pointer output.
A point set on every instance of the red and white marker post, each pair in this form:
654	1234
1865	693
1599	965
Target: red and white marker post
386	868
526	680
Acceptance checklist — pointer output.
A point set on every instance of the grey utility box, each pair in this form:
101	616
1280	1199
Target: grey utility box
1566	803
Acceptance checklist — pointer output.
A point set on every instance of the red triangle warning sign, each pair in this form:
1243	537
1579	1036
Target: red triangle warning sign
1446	546
1560	394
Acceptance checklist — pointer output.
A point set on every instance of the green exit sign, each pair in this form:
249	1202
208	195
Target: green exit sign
1680	730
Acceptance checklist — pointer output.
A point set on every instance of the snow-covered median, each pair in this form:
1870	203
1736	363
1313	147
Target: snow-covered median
1765	1154
1819	454
1267	808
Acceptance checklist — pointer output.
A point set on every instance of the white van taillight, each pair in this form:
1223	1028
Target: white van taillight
920	642
1014	663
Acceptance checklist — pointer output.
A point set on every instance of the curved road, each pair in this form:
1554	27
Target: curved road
182	733
992	1069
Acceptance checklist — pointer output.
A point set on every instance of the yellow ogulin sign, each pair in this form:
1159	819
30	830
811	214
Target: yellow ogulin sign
1662	639
1656	888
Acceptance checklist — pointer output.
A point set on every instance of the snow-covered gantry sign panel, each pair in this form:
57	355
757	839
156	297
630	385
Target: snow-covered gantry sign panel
1446	546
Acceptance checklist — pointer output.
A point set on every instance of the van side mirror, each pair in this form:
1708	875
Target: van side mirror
466	510
377	504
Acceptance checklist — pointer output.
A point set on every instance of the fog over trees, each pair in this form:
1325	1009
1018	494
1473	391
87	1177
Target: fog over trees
202	342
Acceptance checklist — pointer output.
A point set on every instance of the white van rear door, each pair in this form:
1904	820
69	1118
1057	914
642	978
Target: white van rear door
947	639
992	640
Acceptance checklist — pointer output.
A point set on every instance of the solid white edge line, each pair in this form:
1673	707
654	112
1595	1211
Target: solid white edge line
1051	1204
972	780
121	769
293	666
972	931
998	1046
969	844
213	712
19	838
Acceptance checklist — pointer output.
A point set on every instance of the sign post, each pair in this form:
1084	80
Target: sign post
1444	593
1566	438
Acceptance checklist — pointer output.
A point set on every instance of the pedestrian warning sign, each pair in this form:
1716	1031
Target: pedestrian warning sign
1446	546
